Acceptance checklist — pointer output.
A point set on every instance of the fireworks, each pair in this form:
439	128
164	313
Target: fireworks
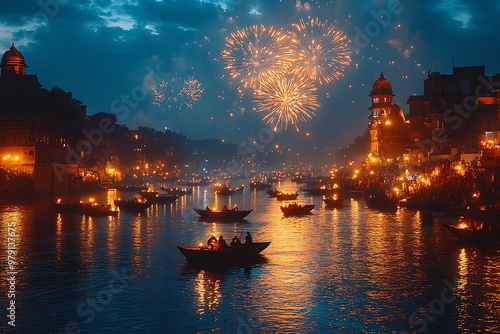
319	50
283	68
171	94
287	100
256	55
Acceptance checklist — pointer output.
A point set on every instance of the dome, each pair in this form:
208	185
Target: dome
382	86
13	61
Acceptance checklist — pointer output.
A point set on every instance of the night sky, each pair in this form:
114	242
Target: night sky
110	54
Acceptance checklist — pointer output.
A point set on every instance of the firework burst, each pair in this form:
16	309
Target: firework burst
319	50
174	95
288	100
256	55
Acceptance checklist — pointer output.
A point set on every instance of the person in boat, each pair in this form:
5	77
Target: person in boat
224	208
248	239
235	208
211	242
222	243
236	242
207	209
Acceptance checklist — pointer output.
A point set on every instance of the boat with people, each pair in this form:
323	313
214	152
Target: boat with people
294	209
155	197
471	231
224	214
286	196
273	192
178	191
90	208
132	205
259	185
206	254
334	200
228	190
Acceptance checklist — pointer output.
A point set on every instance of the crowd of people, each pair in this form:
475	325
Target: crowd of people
220	243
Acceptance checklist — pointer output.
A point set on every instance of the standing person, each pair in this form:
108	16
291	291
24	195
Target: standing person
248	239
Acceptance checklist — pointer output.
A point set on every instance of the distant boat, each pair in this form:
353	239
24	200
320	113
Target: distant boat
334	200
158	198
232	255
223	214
226	190
273	192
132	205
477	233
194	182
297	209
178	191
259	185
286	196
90	208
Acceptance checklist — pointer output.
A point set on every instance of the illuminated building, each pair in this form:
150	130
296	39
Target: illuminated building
457	111
388	128
28	144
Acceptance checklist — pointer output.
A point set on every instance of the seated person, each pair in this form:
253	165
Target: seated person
222	243
224	208
211	242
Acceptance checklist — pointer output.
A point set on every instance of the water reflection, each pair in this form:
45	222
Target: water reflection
346	269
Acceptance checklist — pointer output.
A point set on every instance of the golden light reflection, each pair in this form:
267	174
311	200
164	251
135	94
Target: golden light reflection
208	289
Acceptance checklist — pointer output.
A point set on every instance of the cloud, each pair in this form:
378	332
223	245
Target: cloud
101	50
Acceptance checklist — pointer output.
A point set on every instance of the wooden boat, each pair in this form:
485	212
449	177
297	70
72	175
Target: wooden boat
477	233
90	208
132	205
259	185
286	196
226	190
333	201
273	192
194	182
155	197
178	191
232	255
319	191
296	210
233	214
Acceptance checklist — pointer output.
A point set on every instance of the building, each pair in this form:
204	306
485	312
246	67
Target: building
457	111
29	144
388	128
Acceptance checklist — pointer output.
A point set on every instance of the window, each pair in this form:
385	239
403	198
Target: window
464	86
375	100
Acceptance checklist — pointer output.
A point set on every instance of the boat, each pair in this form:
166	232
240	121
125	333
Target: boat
233	214
471	231
162	199
89	208
273	192
333	201
286	196
132	205
374	201
178	191
231	255
259	185
193	182
319	191
297	209
226	190
156	197
379	198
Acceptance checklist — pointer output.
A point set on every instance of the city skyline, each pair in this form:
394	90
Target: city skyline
111	55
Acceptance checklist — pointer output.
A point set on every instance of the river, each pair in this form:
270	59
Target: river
341	270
